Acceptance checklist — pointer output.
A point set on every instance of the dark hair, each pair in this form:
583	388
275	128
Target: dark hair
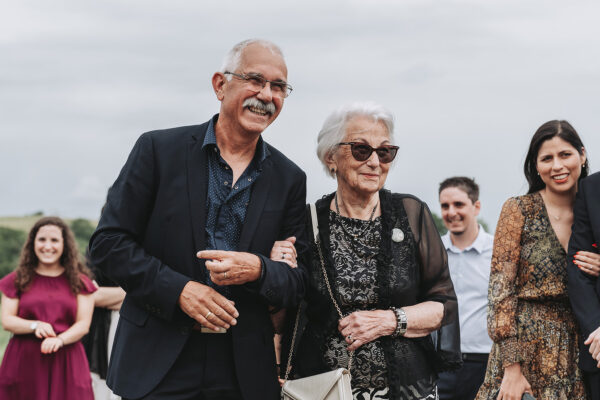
547	131
463	183
69	258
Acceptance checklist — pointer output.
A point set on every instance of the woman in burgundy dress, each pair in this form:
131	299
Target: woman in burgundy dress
47	304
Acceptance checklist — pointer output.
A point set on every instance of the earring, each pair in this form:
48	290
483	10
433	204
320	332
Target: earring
332	170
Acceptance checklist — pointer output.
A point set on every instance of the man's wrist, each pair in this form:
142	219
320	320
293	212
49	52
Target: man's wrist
261	272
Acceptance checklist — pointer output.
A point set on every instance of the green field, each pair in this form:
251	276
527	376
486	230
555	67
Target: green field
20	223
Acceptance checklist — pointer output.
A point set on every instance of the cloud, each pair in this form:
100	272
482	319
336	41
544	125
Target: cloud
468	81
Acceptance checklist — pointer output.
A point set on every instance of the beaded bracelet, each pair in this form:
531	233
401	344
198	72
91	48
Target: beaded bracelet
401	322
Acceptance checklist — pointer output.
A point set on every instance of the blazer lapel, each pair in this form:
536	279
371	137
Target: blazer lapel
260	193
197	187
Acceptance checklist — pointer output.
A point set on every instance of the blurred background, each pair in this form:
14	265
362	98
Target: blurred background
468	81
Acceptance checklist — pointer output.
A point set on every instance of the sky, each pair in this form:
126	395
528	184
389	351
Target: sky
469	82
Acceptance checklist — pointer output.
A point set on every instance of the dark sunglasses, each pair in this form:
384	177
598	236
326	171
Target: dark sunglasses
362	151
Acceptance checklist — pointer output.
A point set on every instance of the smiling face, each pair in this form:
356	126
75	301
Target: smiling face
362	177
559	165
459	213
49	245
238	102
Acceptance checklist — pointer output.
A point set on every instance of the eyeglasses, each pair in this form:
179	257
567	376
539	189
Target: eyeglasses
362	151
257	83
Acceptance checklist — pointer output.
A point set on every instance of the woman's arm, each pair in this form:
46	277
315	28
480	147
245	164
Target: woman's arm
423	318
502	298
85	308
20	326
109	297
362	327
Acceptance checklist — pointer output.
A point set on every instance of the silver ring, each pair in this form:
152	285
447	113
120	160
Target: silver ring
208	315
349	337
225	275
283	256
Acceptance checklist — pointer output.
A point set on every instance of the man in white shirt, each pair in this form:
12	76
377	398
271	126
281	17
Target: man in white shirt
469	250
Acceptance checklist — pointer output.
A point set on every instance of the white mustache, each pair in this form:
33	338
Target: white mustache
256	103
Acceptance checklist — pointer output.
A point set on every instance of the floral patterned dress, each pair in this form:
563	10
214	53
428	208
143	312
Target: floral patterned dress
529	316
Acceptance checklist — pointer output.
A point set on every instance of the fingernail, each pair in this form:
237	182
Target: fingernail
234	322
595	245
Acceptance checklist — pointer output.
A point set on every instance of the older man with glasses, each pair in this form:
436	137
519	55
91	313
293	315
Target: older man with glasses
186	232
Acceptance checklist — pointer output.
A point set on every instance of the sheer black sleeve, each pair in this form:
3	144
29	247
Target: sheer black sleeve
436	284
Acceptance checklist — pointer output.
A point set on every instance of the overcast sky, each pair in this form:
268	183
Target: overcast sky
469	82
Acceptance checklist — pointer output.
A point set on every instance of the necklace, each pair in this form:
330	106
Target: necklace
361	233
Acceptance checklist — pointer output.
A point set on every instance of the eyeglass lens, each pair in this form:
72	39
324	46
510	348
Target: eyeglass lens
257	83
362	152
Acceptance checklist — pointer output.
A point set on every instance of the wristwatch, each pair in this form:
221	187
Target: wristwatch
33	325
401	322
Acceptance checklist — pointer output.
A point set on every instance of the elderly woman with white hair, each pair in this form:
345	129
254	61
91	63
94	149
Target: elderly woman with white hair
385	264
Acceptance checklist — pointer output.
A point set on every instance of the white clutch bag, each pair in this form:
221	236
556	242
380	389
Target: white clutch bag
332	385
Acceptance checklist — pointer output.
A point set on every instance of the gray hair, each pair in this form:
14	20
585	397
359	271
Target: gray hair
334	127
231	62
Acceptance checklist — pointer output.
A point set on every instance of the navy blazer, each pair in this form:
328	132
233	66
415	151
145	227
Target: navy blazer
147	238
584	290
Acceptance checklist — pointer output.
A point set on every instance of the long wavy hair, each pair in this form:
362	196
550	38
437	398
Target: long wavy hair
547	131
69	259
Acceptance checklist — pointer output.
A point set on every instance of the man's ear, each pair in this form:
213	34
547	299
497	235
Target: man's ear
477	207
218	83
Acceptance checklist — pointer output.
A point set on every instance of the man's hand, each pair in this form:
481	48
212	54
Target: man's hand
207	306
594	342
231	267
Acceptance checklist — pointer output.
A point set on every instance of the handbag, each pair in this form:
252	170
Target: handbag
526	396
446	354
332	385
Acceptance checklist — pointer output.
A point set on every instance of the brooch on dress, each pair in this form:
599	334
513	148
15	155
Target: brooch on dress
397	235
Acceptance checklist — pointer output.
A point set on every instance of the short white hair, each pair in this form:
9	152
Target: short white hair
334	127
232	60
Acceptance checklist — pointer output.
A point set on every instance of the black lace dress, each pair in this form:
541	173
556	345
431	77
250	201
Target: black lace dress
375	271
355	243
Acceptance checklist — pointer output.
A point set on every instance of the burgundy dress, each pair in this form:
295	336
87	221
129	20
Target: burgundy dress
25	372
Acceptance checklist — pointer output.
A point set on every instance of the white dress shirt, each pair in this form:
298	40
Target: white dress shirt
470	272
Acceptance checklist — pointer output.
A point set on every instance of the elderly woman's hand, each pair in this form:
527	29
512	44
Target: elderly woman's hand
285	251
588	262
362	327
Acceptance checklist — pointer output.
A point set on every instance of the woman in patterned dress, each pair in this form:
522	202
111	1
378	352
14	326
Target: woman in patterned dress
386	265
529	316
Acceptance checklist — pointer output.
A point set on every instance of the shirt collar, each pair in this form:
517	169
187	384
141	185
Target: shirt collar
478	244
262	152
